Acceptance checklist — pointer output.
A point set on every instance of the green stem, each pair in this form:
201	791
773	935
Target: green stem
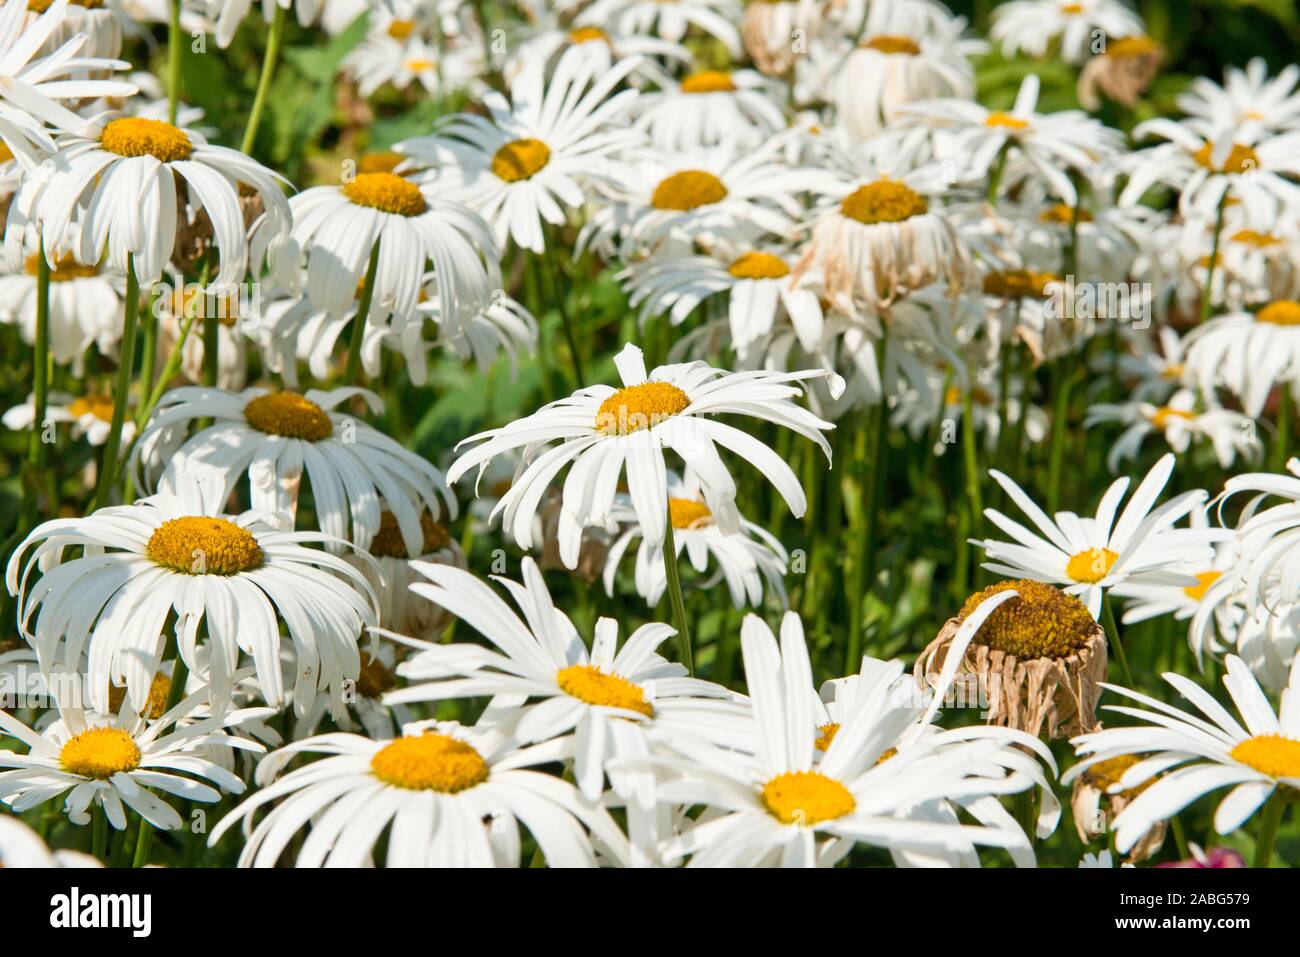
1112	636
675	594
143	840
1271	818
1214	259
40	383
864	564
1180	838
99	833
995	175
570	332
352	373
1064	381
269	62
1282	440
174	62
971	453
125	368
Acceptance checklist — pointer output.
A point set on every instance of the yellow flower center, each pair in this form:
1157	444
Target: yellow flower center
136	136
1072	8
1090	566
1132	47
520	160
637	407
1062	214
100	753
387	192
688	513
155	707
429	762
709	81
420	65
374	678
1040	622
1270	754
1173	372
806	798
1162	416
826	734
6	154
893	44
1203	582
588	683
1250	237
100	406
1284	312
587	35
1019	283
1006	121
388	541
289	414
401	29
382	161
687	190
1242	159
203	545
979	396
64	270
1104	775
756	265
884	201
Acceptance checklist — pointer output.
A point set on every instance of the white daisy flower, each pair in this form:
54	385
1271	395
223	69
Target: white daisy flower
745	561
668	20
229	13
119	186
1248	353
1155	375
707	108
382	222
21	847
101	23
233	576
1195	754
1179	422
793	805
274	437
528	161
1146	600
118	761
91	416
398	54
551	42
85	309
608	698
602	430
1030	26
1248	96
1086	556
448	796
1267	540
1046	144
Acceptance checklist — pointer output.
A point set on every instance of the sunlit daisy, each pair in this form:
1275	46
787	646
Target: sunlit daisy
90	415
1032	25
709	107
1180	422
668	19
1248	353
20	846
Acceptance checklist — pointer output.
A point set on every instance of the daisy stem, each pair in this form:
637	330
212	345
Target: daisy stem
995	174
1214	259
1064	377
1180	838
1269	822
971	453
40	382
570	334
864	563
269	62
1112	635
1285	413
352	374
675	594
143	841
126	364
174	62
99	832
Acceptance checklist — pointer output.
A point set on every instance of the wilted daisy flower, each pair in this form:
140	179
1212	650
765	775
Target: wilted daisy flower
448	796
1247	96
1248	164
707	108
1040	656
35	83
608	698
231	315
529	159
794	805
116	761
1086	556
767	29
745	561
234	576
91	416
1032	25
121	186
669	21
1194	754
603	430
85	308
1179	421
881	239
1047	144
1248	353
1122	71
1098	798
384	219
276	437
21	847
754	278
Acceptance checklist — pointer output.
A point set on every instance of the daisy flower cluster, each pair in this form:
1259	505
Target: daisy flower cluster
644	433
